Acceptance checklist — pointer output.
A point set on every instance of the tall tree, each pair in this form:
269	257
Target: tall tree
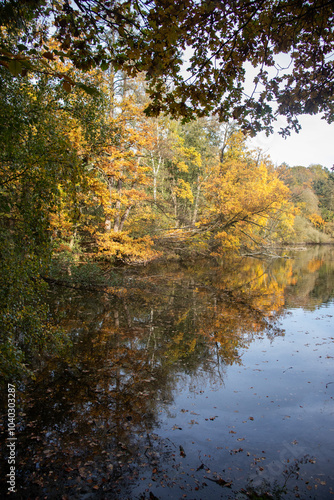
119	179
36	157
242	196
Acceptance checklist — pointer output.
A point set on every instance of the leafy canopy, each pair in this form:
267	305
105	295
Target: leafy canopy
221	38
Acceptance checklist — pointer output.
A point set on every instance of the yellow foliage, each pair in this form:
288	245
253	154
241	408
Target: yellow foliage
314	265
244	198
316	220
227	241
183	190
182	167
121	246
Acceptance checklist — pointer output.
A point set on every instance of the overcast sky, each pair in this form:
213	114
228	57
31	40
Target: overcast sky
313	145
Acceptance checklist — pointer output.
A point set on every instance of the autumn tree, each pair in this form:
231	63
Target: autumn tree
243	194
33	158
181	169
323	186
118	176
221	38
216	205
202	141
180	157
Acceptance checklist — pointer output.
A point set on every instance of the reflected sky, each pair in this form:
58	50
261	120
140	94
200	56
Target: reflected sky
191	381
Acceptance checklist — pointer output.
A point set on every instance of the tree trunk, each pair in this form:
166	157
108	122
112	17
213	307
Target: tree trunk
174	198
124	217
155	170
107	222
118	208
73	237
196	202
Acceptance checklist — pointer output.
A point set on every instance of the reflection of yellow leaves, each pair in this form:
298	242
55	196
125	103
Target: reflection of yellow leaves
178	338
314	264
192	345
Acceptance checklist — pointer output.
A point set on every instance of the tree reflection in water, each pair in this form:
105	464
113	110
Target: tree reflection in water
90	421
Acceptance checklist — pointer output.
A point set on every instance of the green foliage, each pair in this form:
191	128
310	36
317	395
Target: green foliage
37	157
324	189
25	328
309	201
90	275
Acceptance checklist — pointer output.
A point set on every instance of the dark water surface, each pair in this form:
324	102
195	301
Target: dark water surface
196	381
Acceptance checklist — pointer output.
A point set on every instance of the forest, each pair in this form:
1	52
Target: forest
103	166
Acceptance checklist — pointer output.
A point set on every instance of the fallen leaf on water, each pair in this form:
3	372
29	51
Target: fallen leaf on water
236	451
221	482
82	472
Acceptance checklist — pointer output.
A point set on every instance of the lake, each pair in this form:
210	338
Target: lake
197	380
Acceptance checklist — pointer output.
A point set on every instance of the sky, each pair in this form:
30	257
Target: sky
314	144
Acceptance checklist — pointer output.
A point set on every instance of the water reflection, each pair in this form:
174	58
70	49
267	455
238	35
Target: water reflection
312	280
89	424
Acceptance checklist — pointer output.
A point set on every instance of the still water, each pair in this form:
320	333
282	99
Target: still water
198	381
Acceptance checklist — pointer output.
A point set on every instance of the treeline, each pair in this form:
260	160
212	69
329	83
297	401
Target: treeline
93	172
87	176
312	191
